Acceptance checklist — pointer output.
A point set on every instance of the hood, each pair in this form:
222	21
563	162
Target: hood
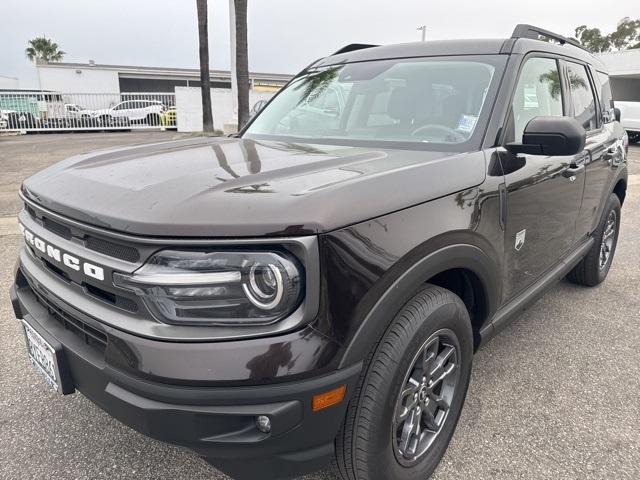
230	187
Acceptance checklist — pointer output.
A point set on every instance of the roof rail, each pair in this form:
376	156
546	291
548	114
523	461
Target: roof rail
352	47
524	30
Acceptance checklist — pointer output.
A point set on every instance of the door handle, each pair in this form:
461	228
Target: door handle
572	171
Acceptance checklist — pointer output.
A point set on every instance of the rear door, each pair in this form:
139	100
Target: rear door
543	193
593	108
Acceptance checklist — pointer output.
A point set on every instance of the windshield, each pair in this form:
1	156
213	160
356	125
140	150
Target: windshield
397	103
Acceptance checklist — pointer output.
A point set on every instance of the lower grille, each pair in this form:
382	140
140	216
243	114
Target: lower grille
91	336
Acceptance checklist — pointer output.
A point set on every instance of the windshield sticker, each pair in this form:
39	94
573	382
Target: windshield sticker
466	123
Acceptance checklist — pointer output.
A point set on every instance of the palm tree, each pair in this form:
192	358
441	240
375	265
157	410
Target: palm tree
42	48
205	78
242	62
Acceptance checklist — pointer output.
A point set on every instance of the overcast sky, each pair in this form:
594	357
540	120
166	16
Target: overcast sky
284	35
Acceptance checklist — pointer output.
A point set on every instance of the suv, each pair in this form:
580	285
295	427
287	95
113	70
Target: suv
130	111
315	287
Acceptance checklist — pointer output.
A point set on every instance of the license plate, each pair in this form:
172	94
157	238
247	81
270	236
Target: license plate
42	356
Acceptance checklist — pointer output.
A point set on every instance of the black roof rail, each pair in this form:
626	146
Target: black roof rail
353	47
524	30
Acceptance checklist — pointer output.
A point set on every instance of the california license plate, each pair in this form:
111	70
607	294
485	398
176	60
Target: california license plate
43	357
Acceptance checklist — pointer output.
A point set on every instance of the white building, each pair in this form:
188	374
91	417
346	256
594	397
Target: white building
624	70
8	83
95	78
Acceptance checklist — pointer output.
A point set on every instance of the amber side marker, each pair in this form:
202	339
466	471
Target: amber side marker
327	399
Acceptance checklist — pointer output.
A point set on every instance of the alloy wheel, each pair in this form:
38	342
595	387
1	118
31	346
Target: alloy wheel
608	238
426	395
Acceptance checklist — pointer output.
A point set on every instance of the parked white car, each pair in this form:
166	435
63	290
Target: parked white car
123	113
4	118
630	119
75	111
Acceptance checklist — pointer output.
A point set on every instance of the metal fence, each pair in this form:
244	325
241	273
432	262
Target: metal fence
39	111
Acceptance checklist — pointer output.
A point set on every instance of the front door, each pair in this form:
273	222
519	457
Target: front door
543	194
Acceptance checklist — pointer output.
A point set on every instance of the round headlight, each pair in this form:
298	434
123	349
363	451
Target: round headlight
265	287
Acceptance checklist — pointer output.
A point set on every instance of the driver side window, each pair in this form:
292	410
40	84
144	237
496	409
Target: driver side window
538	93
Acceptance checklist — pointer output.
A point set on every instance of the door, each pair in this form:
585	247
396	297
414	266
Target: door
593	108
543	193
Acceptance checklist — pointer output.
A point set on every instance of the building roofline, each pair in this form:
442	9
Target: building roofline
139	69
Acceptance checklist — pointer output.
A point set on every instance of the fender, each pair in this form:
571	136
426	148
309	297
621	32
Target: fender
403	288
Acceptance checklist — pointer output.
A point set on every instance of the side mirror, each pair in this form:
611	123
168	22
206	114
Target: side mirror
557	136
617	114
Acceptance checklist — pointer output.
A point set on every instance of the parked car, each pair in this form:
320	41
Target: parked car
168	117
74	111
4	118
630	119
124	113
314	288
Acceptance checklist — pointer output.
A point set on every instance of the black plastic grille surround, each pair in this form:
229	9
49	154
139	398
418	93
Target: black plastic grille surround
91	336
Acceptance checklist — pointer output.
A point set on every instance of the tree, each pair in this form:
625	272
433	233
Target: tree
205	78
242	62
626	36
42	48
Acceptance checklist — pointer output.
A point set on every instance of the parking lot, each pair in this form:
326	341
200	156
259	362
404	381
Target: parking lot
554	396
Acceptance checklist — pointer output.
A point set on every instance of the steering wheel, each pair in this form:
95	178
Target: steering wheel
442	129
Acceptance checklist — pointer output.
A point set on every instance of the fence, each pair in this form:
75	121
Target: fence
50	111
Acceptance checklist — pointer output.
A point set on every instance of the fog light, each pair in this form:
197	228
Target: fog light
263	423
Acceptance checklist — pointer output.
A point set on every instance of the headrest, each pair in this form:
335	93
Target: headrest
400	105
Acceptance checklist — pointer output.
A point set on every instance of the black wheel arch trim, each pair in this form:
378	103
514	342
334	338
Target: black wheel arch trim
463	256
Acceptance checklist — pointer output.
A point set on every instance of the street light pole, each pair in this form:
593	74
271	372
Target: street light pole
424	32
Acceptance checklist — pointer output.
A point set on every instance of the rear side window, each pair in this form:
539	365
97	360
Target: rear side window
606	97
584	102
538	93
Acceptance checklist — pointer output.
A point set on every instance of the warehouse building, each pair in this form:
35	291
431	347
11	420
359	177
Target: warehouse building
96	78
624	70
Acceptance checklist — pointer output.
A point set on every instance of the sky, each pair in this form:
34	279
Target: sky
284	35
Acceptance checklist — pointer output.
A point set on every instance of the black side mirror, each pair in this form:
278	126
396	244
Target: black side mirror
617	114
558	136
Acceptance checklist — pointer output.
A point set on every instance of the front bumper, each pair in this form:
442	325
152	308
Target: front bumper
217	422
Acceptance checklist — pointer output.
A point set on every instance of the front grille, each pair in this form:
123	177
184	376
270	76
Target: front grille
116	250
97	244
57	228
91	336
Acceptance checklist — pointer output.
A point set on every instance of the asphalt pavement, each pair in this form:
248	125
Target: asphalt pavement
554	396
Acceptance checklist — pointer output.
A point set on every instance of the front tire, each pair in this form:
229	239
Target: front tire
407	403
594	267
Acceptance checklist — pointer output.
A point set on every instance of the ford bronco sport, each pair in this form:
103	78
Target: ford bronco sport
314	289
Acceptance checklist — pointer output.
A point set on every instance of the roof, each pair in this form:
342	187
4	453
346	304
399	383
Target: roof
460	47
165	71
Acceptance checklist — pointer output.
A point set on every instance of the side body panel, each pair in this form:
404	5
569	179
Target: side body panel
377	265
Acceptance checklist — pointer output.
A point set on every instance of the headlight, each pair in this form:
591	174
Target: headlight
221	287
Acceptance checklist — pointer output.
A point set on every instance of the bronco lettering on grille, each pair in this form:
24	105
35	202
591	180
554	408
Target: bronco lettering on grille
55	254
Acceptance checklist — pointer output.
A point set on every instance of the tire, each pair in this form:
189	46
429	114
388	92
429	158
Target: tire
592	269
634	137
153	119
368	446
106	120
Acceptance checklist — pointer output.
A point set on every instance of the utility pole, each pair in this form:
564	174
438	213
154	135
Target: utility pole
424	32
234	76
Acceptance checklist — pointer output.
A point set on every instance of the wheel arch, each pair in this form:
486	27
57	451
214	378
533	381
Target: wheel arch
620	189
461	267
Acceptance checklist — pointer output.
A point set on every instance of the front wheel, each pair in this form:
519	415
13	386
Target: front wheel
406	407
594	267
